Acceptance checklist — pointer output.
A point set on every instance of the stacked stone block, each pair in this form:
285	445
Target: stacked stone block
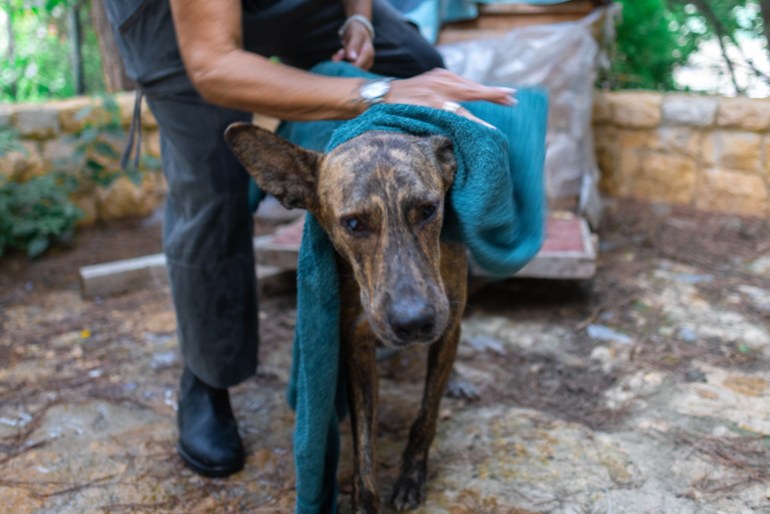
46	136
711	153
708	152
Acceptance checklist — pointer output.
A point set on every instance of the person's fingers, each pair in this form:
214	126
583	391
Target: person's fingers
453	86
441	89
338	55
359	49
365	55
458	109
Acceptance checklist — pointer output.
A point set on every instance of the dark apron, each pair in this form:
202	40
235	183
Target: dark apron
207	230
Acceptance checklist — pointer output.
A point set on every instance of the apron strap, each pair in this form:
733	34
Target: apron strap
134	133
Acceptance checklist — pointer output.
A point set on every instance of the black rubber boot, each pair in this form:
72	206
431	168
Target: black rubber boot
208	434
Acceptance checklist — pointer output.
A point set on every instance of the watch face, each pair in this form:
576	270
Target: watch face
373	92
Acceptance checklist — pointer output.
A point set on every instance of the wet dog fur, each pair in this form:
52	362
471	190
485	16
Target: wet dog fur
380	198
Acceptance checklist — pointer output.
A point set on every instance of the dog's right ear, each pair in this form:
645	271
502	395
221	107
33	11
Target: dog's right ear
281	168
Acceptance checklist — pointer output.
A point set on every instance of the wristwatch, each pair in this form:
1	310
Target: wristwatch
374	91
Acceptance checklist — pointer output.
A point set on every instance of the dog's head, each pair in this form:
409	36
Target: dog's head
380	197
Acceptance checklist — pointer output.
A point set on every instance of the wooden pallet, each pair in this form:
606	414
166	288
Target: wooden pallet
495	20
112	278
569	251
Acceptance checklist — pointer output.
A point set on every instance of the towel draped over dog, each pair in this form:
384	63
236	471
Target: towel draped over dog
496	207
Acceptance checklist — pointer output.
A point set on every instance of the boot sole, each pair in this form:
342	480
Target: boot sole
207	470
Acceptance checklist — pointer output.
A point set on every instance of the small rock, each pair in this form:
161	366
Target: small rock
720	431
687	335
483	343
692	278
695	375
761	266
163	360
604	333
605	356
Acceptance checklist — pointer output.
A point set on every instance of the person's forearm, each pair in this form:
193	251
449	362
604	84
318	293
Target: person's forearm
210	41
249	82
211	44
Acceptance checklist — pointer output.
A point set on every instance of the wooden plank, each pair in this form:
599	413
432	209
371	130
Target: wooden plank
569	251
112	278
557	262
495	20
121	276
580	7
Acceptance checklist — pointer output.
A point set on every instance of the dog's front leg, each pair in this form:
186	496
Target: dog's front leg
409	489
363	395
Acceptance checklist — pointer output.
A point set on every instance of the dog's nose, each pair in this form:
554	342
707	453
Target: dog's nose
412	320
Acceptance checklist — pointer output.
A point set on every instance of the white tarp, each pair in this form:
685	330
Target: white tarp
564	59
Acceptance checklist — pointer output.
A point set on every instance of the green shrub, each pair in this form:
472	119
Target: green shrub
35	213
38	212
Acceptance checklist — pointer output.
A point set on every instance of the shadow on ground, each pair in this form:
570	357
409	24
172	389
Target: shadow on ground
646	389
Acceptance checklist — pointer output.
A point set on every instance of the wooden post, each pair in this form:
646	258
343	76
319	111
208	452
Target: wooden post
115	78
10	50
76	48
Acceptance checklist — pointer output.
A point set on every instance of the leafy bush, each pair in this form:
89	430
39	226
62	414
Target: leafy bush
655	37
37	212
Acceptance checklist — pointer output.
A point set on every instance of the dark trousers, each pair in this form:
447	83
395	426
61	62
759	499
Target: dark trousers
208	227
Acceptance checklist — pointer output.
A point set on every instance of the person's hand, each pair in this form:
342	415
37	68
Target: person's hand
442	89
357	46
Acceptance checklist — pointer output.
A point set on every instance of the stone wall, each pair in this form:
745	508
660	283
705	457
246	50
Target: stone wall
711	153
48	134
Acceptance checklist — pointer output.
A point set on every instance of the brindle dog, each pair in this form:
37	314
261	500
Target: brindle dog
380	197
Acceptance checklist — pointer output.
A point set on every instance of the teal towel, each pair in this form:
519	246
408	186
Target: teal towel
496	206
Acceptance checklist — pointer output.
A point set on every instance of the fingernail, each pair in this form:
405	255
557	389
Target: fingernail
353	55
509	90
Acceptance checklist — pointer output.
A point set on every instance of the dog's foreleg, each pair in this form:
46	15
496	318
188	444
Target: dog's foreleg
363	393
409	489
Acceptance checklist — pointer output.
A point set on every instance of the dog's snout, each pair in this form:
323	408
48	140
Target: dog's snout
412	320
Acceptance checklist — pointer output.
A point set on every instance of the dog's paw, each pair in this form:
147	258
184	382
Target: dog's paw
460	388
408	494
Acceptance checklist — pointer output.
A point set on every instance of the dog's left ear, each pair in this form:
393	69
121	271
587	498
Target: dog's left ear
445	157
281	168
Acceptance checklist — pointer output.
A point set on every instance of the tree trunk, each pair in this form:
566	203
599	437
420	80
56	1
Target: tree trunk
76	48
115	78
10	50
720	32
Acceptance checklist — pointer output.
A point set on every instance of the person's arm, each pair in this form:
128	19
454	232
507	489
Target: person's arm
211	44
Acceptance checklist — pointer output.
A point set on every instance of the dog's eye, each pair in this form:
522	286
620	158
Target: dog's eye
355	226
427	211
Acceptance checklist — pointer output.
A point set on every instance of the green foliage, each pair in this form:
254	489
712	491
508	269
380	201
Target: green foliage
647	47
93	160
39	66
9	141
655	37
36	212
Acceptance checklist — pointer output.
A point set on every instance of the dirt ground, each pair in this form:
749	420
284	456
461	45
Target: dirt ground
644	390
